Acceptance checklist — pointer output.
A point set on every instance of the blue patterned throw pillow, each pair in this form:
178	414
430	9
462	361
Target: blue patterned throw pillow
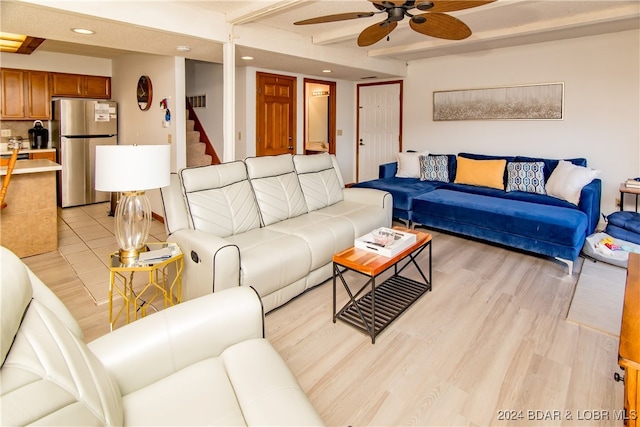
526	176
434	168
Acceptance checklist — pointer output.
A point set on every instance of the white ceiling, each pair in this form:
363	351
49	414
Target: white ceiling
264	29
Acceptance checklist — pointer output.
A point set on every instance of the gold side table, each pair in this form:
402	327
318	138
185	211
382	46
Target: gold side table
164	279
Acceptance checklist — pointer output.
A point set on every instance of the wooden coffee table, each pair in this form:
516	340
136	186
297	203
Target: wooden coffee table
374	310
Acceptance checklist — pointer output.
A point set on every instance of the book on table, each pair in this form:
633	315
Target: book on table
631	182
155	255
402	241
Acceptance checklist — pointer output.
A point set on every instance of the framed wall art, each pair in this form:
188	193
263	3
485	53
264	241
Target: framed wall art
544	101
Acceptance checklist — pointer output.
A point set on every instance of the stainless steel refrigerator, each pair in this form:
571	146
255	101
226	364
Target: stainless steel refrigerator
78	126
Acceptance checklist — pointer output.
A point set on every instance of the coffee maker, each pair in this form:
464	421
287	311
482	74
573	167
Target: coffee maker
38	136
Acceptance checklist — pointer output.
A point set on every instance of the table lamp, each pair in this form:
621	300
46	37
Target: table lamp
131	170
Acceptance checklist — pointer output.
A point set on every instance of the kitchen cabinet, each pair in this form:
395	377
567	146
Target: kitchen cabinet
629	347
48	155
29	223
80	86
25	95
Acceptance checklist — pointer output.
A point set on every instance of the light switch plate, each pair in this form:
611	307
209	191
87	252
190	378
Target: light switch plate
5	133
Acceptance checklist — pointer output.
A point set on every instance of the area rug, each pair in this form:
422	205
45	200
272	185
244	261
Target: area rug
598	298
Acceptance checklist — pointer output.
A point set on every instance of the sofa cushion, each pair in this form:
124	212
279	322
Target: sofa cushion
550	164
567	180
525	176
209	400
434	168
270	260
409	164
276	187
219	199
266	389
512	222
403	191
484	173
324	235
626	220
318	180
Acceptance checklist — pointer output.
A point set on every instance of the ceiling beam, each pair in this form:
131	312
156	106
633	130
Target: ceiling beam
263	9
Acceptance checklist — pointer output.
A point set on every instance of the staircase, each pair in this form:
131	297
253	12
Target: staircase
196	150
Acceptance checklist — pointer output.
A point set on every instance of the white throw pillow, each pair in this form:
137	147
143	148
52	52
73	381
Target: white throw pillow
409	164
566	181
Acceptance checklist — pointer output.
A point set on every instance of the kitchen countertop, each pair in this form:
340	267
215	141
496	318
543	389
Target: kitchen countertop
32	166
29	150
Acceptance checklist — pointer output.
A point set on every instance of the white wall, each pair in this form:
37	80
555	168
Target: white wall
146	127
602	104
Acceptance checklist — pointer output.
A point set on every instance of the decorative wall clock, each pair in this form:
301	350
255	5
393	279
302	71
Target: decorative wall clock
144	93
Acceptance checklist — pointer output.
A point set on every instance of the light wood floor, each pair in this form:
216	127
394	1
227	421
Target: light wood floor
491	339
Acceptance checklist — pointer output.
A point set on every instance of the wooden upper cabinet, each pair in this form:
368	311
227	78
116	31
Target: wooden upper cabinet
80	86
12	94
38	95
25	94
66	85
97	87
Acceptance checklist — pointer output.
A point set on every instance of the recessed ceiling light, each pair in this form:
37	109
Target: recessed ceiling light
183	48
247	58
83	31
326	71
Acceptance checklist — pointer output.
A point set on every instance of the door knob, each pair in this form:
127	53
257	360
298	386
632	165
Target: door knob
291	147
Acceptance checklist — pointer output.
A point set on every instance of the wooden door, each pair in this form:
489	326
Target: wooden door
275	114
379	127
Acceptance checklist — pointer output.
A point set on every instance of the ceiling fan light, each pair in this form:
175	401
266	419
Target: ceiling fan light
396	14
425	5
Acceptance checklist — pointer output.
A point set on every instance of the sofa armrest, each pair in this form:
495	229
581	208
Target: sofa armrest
370	196
160	344
387	170
211	263
590	203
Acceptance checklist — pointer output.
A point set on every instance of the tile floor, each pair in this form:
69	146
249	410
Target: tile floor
86	239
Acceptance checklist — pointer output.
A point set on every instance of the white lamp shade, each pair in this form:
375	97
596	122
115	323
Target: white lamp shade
121	168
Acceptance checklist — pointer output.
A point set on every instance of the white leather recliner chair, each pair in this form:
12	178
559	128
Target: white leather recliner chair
203	362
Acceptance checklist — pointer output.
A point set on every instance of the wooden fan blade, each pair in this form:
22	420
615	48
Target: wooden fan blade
452	5
375	33
442	26
334	18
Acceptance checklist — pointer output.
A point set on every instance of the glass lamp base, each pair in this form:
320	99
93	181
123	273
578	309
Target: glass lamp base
132	220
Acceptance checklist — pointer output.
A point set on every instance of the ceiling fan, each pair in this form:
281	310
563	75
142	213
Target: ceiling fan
434	22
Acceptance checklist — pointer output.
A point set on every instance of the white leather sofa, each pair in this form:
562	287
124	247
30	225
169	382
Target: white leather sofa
271	222
203	362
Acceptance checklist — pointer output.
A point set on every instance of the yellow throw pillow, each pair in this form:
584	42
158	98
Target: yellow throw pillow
484	173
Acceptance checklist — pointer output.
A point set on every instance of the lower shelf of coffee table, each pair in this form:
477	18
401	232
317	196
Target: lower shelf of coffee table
392	298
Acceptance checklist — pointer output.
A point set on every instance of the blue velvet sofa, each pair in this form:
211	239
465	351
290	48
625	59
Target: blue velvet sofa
536	223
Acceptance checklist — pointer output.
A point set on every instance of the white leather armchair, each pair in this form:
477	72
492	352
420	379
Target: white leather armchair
203	362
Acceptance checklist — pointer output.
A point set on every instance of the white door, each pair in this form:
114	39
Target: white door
378	127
